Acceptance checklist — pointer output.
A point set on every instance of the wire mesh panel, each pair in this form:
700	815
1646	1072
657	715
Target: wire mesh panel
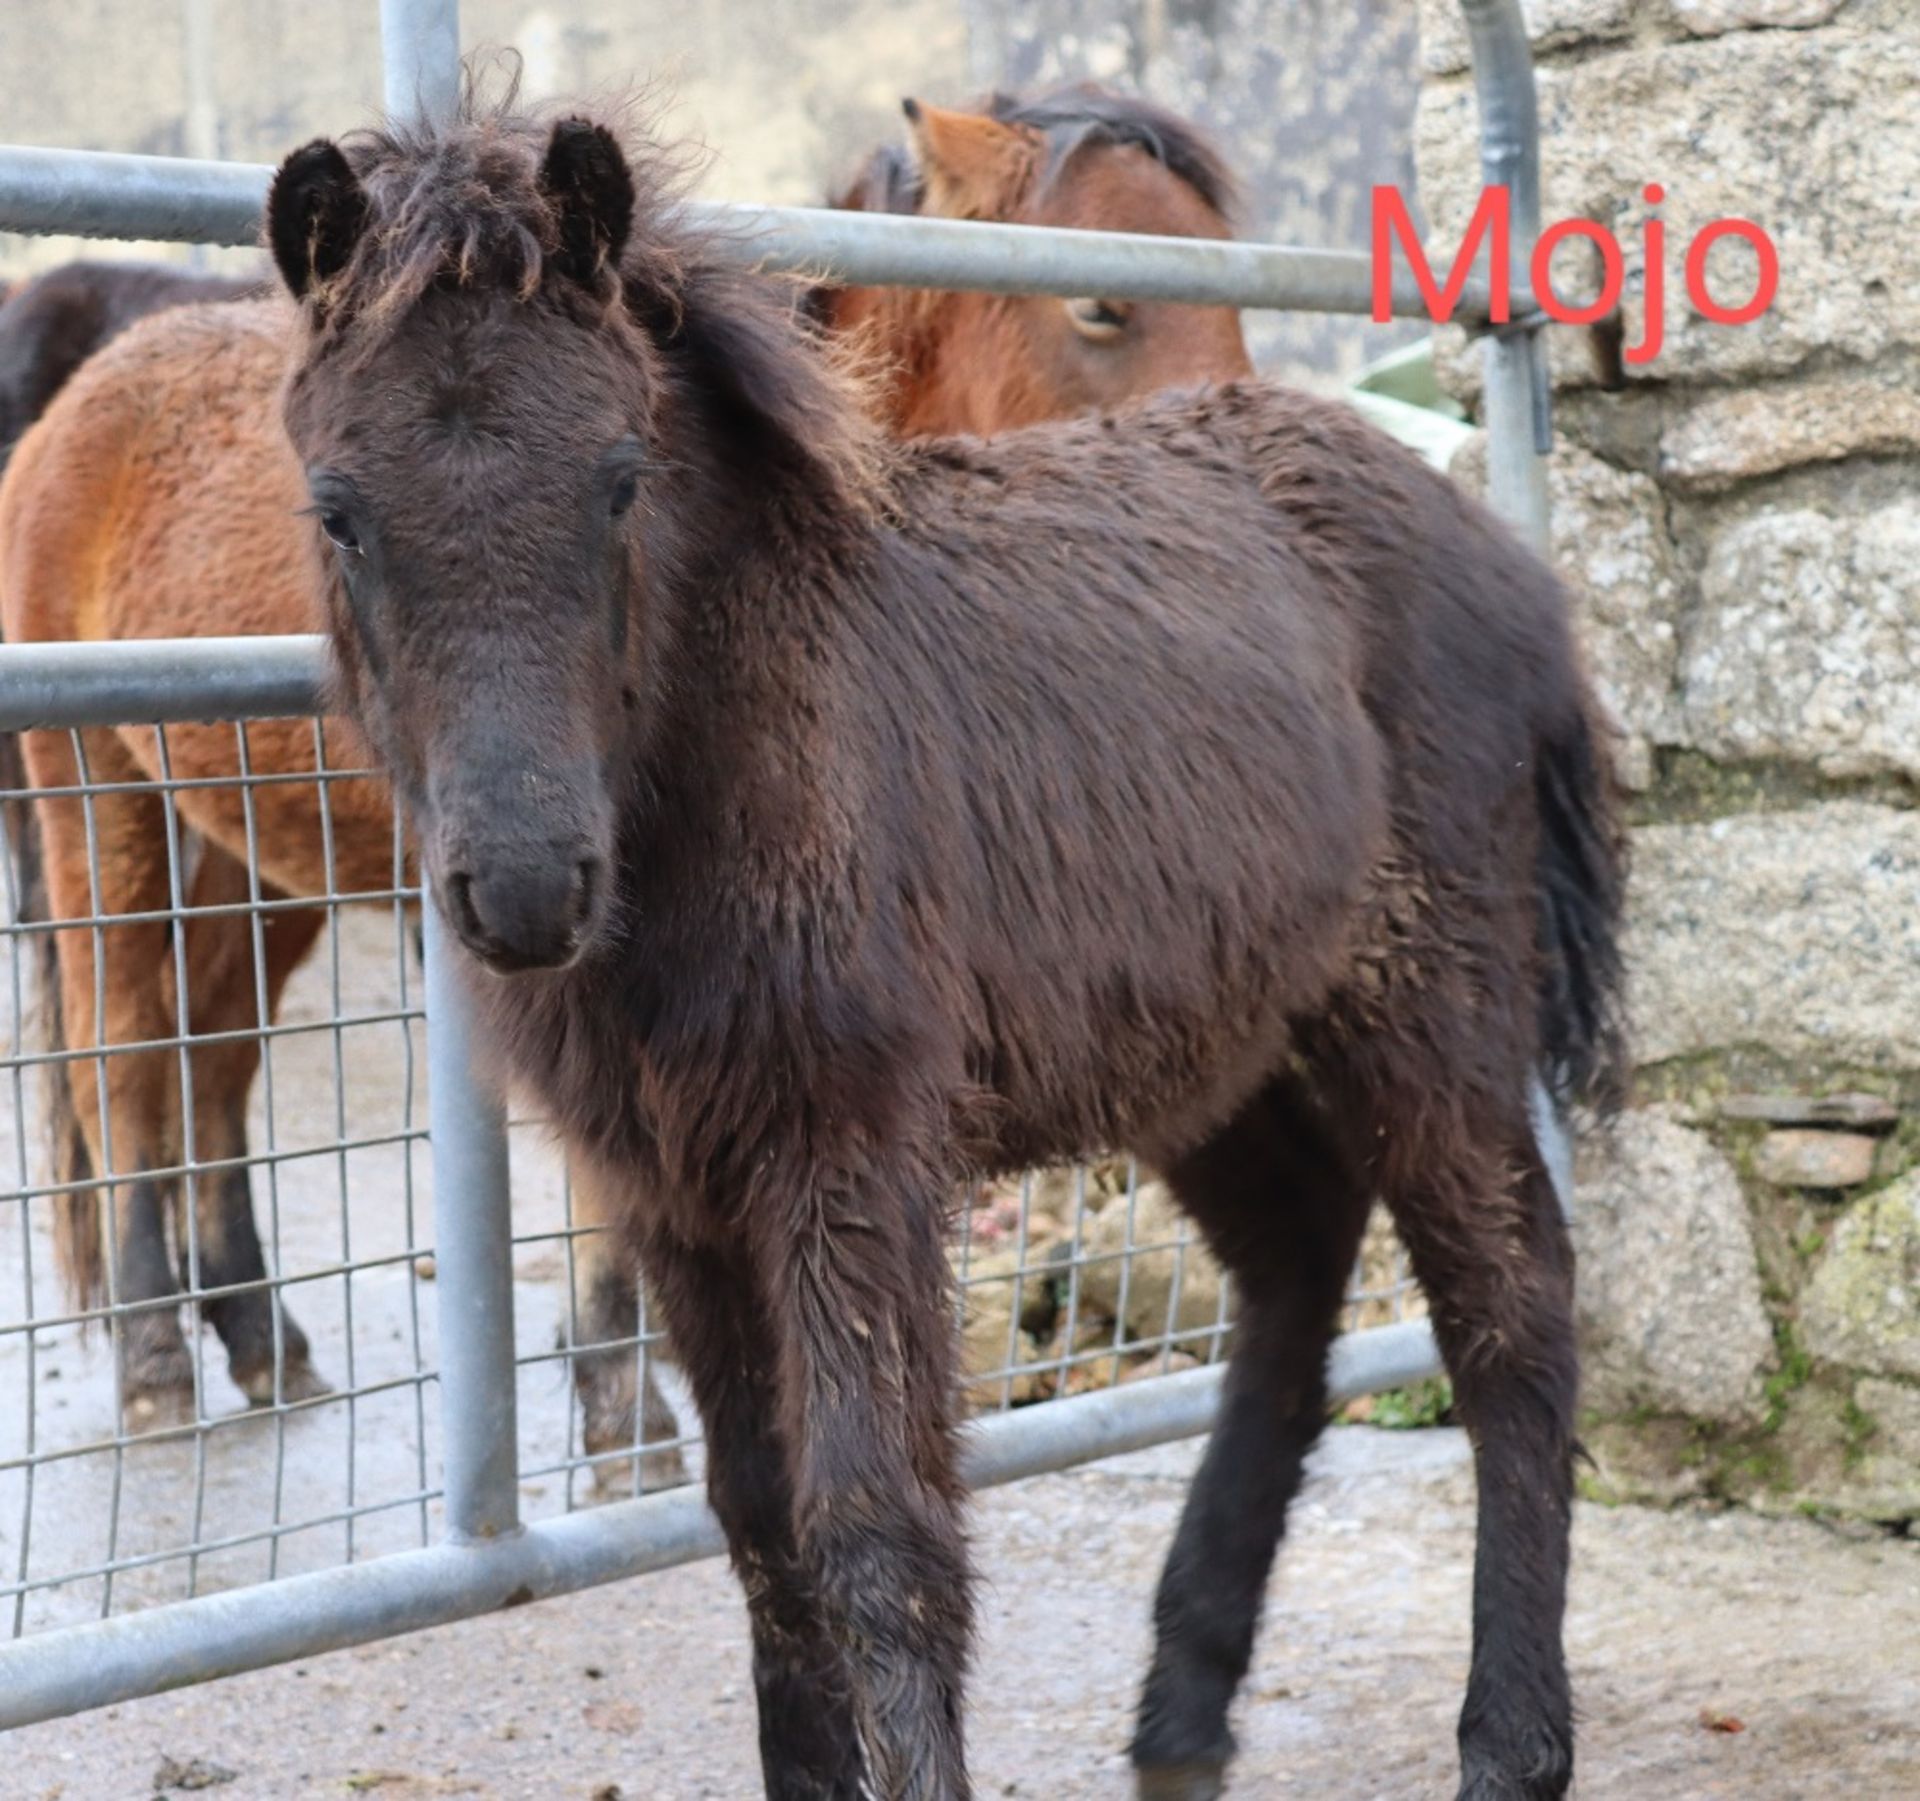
1065	1281
218	1287
213	1341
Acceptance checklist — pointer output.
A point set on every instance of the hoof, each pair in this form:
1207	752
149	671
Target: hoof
610	1481
662	1469
299	1381
1488	1785
1546	1776
1181	1782
613	1480
156	1374
149	1410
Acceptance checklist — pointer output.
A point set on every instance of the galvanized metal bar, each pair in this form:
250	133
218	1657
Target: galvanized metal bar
69	1670
473	1249
1519	429
472	1217
1519	391
896	250
88	194
420	57
159	680
96	194
1555	1141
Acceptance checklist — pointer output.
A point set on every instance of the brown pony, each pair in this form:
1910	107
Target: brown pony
1080	157
765	769
153	501
51	324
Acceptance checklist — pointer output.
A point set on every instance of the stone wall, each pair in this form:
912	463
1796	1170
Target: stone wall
1312	98
1740	521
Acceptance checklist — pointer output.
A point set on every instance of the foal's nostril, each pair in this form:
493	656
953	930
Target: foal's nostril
586	889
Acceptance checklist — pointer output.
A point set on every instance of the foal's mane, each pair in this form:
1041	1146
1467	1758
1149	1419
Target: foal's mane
458	204
1068	118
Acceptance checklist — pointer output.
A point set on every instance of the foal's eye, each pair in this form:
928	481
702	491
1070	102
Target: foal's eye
1099	321
622	495
339	530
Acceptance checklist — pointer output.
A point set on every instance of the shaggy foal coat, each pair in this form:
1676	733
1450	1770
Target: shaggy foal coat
828	820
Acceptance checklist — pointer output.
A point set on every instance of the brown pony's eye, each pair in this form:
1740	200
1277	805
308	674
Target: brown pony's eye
340	532
621	497
1099	321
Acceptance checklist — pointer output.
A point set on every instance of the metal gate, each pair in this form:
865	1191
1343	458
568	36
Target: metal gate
231	1540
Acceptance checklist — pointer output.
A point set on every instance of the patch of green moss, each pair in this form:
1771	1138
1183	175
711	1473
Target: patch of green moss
1761	1466
1697	1083
1690	789
1428	1403
1802	1458
1898	1153
1796	1369
1810	1243
1860	1427
1590	1485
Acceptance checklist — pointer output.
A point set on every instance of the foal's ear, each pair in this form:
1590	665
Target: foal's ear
586	179
316	211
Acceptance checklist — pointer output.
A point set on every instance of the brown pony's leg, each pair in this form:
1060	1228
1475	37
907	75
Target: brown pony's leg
1476	1209
606	1373
857	1286
1283	1207
225	996
118	997
809	1746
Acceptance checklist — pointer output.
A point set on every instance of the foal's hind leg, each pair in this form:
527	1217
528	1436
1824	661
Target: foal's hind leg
606	1372
1283	1209
110	855
267	1352
809	1746
1477	1211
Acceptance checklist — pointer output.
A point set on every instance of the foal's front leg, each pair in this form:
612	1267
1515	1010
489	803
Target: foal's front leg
809	1748
860	1284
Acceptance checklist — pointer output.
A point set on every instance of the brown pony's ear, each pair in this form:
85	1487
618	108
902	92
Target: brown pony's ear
316	211
586	179
971	166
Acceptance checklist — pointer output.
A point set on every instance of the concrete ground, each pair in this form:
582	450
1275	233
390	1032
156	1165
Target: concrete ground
1714	1655
1681	1623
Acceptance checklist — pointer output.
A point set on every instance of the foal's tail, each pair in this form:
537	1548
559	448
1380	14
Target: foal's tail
77	1241
1581	868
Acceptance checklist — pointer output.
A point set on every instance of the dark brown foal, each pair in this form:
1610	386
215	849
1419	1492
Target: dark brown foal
767	773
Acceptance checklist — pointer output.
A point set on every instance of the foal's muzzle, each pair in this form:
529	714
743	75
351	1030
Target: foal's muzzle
535	913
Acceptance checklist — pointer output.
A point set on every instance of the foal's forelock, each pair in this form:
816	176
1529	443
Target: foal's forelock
459	208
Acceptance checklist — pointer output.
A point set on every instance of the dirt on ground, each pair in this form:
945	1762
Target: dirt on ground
1715	1654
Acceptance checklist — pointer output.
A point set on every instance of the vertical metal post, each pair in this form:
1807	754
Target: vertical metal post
1519	427
472	1224
473	1251
420	54
1519	418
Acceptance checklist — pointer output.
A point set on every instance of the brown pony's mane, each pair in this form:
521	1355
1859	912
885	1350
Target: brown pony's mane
458	204
1069	118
